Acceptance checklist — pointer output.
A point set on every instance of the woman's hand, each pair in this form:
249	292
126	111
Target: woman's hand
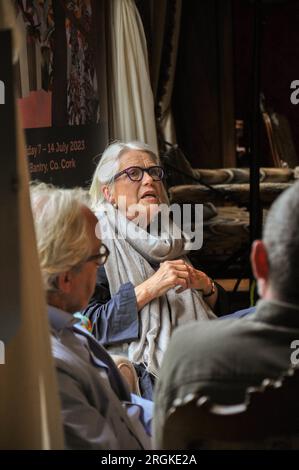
169	275
199	280
173	274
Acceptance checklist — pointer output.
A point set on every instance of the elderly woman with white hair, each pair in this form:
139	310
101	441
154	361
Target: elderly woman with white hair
148	286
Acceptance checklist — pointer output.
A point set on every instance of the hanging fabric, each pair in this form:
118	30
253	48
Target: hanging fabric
131	115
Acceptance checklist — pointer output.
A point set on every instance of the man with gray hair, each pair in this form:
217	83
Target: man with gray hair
98	411
221	359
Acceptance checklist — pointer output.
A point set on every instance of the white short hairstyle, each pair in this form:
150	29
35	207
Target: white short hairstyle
61	230
109	165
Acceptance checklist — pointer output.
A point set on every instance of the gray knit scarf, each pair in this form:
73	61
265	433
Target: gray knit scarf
134	256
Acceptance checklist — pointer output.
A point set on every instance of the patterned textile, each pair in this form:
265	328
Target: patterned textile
38	21
222	194
82	88
224	235
180	172
227	232
36	62
227	191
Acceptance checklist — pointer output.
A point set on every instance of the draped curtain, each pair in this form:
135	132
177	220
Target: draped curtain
164	54
191	63
203	95
130	96
166	117
161	22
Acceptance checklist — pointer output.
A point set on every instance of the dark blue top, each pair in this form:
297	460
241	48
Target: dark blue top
114	319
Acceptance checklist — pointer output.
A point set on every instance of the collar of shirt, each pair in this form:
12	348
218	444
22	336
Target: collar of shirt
277	312
62	326
59	319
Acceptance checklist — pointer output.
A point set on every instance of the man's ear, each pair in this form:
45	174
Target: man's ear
64	282
108	195
259	261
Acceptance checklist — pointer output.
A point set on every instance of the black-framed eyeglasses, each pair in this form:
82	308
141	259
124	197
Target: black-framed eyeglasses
135	173
101	257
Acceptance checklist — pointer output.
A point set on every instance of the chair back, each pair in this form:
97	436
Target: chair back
269	418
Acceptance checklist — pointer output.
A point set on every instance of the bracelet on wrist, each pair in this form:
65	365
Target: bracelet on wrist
212	291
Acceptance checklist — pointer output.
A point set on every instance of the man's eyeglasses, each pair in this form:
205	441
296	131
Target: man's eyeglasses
135	173
101	257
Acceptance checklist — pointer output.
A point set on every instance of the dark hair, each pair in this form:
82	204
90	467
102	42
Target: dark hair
281	238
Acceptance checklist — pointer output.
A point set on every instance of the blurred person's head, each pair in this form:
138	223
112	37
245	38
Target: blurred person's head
69	251
275	258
